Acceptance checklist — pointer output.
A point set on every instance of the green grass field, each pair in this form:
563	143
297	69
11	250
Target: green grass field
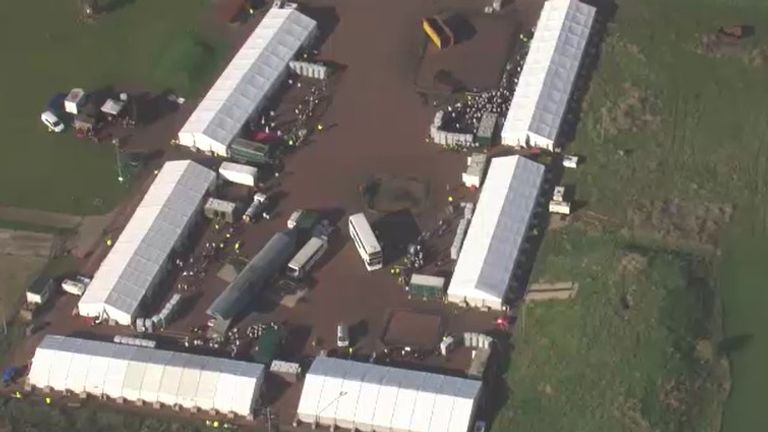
33	415
662	120
151	45
622	355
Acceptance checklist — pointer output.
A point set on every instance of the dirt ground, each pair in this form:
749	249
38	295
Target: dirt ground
24	243
376	125
39	217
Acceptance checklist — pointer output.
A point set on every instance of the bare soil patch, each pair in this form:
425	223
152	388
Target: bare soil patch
39	217
681	222
635	111
632	263
714	45
25	243
392	194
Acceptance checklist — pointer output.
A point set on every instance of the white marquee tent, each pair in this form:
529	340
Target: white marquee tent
254	72
496	233
370	397
137	260
545	83
150	375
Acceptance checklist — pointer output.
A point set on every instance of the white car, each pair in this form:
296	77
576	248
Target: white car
76	286
342	335
53	122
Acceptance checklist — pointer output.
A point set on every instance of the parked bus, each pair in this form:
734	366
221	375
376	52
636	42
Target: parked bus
365	241
307	257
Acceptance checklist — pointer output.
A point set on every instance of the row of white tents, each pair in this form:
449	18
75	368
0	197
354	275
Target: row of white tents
498	230
336	392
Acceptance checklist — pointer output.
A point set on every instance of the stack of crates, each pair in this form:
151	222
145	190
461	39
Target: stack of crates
461	231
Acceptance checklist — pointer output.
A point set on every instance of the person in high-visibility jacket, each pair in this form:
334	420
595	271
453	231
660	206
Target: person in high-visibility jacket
47	400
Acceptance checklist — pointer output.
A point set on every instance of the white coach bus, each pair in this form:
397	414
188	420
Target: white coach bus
365	241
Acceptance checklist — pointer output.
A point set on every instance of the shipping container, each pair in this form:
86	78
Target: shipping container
245	151
426	287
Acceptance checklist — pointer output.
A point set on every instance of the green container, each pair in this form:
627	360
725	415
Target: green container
266	347
253	152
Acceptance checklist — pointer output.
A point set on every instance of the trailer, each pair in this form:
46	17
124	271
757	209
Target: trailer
74	101
238	173
477	164
303	261
39	292
303	220
426	287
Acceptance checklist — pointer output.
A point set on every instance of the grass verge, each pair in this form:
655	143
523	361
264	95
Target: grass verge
635	350
55	51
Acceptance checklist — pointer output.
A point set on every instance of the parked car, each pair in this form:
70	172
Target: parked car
342	335
75	286
54	124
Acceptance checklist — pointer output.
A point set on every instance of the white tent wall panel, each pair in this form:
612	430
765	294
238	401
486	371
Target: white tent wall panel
371	391
206	391
58	377
97	373
545	84
442	422
169	386
39	375
350	388
404	409
423	407
78	372
330	399
134	377
223	399
241	404
113	383
310	395
383	417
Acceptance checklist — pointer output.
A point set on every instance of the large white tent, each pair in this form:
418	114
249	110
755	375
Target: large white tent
145	374
545	83
254	72
369	397
136	262
496	233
